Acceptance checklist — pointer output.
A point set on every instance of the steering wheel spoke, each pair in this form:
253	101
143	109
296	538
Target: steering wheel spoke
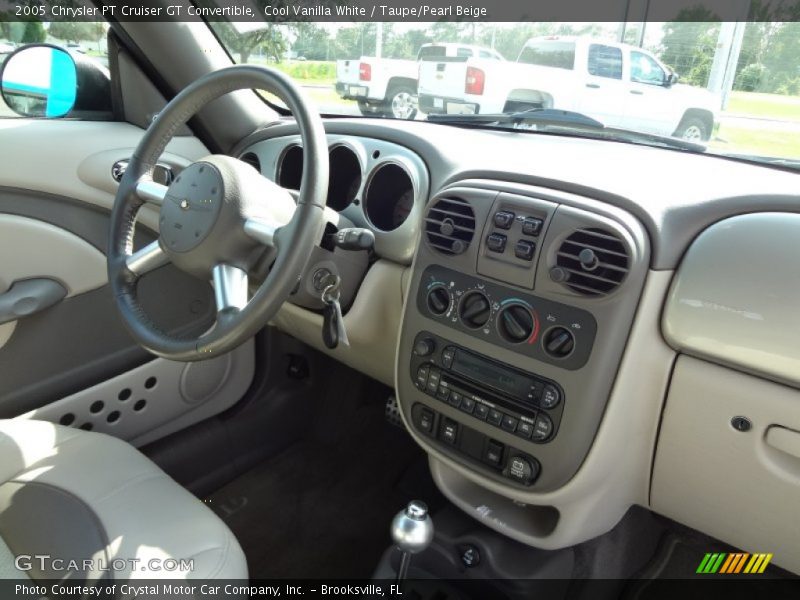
230	288
261	231
147	259
151	192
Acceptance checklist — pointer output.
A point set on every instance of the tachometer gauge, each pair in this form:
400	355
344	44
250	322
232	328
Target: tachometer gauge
402	208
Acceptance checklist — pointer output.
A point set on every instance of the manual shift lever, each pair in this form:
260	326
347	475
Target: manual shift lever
412	532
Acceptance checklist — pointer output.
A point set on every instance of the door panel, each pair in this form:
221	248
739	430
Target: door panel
56	194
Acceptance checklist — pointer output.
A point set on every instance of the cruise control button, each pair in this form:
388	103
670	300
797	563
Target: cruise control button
496	242
525	429
509	423
449	431
481	411
550	397
494	453
524	250
467	404
532	226
447	356
504	219
495	416
543	428
422	376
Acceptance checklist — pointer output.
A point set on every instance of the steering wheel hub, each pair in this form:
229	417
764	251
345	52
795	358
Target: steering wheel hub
191	207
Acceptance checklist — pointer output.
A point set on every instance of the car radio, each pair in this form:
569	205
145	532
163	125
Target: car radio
526	405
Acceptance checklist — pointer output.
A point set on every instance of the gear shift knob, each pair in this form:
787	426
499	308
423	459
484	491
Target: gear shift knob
412	528
412	532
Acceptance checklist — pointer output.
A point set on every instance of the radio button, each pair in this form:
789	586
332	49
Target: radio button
455	399
495	416
467	404
543	428
422	376
525	429
509	423
433	381
448	354
443	392
550	397
481	411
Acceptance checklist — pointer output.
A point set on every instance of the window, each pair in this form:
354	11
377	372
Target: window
605	61
644	69
489	55
464	53
429	52
560	55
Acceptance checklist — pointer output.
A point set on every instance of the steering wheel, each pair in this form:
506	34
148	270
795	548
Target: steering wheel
217	219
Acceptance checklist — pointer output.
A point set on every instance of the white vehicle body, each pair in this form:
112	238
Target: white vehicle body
389	86
617	84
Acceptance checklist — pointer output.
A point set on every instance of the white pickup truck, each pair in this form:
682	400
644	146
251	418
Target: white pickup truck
389	86
619	85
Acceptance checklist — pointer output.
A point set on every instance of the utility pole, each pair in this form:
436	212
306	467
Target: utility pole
726	58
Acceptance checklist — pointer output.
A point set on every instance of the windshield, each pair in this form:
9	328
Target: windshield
732	87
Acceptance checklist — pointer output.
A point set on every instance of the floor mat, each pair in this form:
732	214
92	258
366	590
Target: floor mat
323	507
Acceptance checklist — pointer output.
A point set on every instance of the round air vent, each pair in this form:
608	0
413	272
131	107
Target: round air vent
450	225
251	159
591	262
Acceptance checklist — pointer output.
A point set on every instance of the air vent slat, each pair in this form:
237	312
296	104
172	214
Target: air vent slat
594	261
450	225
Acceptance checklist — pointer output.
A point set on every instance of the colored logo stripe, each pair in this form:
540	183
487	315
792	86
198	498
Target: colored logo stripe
733	563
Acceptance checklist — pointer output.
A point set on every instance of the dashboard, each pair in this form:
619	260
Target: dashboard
527	300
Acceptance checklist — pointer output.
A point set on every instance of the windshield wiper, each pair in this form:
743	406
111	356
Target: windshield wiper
550	119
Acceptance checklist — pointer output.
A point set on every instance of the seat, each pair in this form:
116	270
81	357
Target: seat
76	495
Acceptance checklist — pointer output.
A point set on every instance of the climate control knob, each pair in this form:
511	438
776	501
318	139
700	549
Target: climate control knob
516	323
559	342
475	310
438	300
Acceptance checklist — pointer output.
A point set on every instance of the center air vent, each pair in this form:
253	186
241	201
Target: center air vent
450	225
592	262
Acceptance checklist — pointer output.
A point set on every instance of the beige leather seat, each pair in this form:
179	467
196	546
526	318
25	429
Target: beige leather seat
76	495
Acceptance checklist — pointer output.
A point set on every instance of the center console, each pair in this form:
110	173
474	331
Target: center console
520	304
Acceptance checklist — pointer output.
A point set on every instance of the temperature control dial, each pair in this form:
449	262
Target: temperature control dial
438	300
516	323
475	310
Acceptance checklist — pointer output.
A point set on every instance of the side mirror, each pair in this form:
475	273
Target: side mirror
39	81
43	80
671	79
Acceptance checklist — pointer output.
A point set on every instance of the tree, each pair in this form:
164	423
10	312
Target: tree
77	31
313	41
34	33
689	45
269	39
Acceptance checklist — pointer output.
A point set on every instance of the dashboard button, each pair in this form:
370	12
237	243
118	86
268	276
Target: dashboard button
495	416
443	392
509	423
543	428
467	404
524	250
449	431
550	397
447	357
521	470
494	453
433	381
525	429
496	242
422	376
426	420
532	226
481	411
455	399
424	347
504	219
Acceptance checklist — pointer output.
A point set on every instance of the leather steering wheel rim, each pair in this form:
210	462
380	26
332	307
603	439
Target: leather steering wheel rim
291	239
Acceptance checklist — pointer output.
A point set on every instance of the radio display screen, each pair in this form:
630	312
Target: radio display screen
491	374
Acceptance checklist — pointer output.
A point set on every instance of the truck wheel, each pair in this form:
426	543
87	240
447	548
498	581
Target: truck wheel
401	103
693	129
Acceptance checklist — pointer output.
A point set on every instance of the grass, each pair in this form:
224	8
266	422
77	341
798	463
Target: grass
769	106
765	142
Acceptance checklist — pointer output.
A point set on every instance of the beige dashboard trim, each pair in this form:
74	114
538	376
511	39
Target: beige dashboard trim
372	323
616	472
